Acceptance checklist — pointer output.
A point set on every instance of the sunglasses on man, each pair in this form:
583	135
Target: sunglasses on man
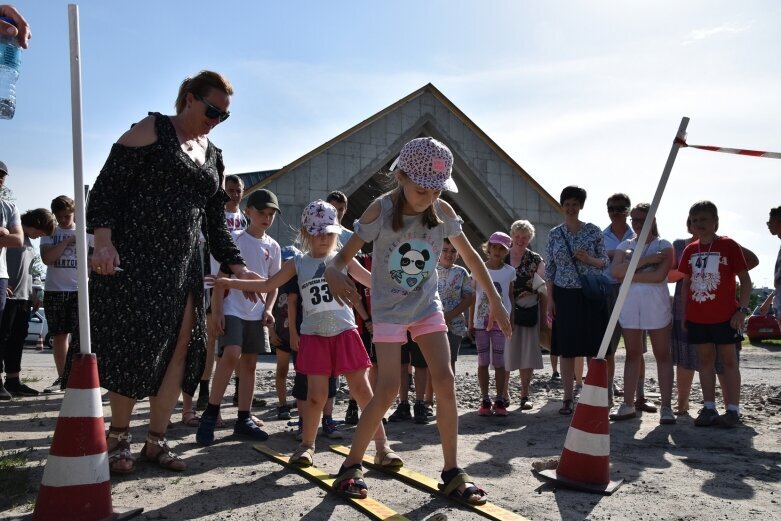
617	208
213	112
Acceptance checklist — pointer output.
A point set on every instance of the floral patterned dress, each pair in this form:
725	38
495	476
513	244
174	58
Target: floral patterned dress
523	349
155	200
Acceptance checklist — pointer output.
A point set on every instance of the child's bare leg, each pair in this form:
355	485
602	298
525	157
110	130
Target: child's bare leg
730	378
362	392
436	351
684	378
222	374
385	391
660	343
316	399
280	378
706	353
246	372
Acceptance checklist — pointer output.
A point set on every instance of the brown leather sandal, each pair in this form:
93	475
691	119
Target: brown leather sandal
164	458
121	451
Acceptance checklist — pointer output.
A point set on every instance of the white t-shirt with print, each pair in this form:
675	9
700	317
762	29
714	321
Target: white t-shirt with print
63	275
235	221
264	257
502	278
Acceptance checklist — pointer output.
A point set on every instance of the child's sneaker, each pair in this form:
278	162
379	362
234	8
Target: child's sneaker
351	416
485	408
429	408
246	427
402	413
729	420
205	433
283	412
55	387
330	429
666	416
419	409
707	417
500	408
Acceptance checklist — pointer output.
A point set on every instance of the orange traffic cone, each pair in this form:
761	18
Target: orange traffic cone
39	345
585	461
75	481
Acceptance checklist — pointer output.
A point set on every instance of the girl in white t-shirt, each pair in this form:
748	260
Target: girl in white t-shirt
647	307
487	335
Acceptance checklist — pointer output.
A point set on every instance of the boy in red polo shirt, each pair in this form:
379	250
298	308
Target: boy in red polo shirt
713	316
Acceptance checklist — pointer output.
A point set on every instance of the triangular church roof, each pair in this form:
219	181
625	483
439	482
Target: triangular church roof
255	180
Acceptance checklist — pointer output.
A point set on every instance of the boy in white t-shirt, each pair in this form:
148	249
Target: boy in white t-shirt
240	322
61	298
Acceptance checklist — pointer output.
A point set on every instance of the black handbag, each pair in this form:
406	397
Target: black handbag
527	317
595	285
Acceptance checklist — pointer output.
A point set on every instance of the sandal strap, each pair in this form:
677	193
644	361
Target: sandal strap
390	456
350	476
453	479
119	435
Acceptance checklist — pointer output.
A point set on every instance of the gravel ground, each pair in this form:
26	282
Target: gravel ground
670	472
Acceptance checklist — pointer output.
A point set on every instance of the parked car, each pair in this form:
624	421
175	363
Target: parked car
38	328
761	327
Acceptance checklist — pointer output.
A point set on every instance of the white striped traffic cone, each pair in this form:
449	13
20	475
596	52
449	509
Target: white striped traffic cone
39	345
585	461
75	482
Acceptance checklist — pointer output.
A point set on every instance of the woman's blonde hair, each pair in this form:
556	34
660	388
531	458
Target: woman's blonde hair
429	215
201	85
522	225
645	208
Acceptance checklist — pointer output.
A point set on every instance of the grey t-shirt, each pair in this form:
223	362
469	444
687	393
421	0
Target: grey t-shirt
20	280
9	218
323	316
404	275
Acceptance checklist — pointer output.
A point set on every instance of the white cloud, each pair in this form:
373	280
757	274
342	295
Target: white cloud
702	34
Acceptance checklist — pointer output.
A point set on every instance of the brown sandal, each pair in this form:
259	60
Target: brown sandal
190	418
120	451
164	458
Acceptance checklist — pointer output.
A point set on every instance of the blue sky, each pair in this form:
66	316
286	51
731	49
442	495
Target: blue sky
576	92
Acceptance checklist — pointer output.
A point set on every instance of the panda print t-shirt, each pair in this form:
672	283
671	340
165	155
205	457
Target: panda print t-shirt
404	274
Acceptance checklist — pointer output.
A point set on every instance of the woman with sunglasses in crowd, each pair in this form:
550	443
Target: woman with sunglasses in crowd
160	186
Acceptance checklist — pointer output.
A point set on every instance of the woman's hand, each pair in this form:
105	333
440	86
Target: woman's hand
293	340
342	288
104	258
551	309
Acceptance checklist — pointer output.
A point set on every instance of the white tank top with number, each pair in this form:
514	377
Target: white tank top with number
323	316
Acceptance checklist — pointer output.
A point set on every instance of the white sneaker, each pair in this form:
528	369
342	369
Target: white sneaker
623	412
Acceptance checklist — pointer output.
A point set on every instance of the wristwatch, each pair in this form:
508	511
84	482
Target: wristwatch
745	310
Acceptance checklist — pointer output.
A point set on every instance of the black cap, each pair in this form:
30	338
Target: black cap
3	168
262	199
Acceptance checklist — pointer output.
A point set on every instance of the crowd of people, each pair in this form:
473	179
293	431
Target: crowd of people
162	214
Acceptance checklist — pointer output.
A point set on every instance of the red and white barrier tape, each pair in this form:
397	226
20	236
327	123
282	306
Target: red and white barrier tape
739	151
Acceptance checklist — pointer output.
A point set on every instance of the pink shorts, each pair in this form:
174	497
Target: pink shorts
332	355
397	333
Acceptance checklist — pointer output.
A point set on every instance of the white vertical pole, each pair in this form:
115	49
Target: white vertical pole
78	179
641	240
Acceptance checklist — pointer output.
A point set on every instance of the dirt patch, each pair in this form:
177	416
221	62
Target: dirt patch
670	472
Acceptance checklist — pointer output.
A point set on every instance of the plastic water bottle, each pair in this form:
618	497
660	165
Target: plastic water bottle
10	59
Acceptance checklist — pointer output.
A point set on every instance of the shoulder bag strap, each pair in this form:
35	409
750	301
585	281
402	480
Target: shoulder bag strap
574	260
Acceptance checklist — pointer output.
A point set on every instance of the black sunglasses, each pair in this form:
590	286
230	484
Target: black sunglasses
213	112
617	208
